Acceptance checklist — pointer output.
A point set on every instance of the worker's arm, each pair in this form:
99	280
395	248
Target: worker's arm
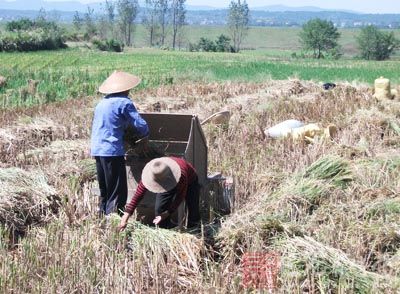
130	208
135	120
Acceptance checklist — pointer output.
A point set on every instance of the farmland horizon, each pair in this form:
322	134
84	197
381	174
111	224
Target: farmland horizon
368	6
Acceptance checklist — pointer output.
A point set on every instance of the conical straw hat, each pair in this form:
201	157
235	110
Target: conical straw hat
161	175
119	81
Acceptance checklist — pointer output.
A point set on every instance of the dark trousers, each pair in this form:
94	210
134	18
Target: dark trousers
111	175
164	200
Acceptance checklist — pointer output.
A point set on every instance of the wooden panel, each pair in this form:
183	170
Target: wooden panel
168	127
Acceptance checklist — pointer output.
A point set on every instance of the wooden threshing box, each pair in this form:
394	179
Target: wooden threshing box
177	135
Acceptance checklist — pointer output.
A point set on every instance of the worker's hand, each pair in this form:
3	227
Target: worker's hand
124	222
158	219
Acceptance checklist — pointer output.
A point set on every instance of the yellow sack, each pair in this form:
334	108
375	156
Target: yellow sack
382	89
310	131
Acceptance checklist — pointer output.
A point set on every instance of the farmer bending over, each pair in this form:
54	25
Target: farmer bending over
111	117
173	180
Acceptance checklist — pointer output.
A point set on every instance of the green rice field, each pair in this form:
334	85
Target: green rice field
77	72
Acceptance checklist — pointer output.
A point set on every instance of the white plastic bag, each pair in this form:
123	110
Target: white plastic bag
283	128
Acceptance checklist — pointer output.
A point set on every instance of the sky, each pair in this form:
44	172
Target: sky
367	6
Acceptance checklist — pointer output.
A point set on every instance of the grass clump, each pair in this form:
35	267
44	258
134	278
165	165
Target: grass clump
108	45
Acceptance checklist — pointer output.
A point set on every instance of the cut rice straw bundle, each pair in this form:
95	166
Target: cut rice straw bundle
161	248
332	168
327	268
296	198
25	198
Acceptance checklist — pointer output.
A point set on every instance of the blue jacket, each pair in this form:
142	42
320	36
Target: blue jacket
111	117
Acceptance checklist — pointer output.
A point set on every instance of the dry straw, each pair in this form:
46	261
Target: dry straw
326	269
25	198
337	217
56	150
160	247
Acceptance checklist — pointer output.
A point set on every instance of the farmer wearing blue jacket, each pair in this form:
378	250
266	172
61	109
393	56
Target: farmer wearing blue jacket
114	113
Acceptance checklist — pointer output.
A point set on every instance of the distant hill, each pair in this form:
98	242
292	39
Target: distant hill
38	4
200	7
283	8
78	6
297	18
70	5
276	15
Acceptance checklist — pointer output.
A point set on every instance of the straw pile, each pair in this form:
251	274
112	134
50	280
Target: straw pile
56	150
324	222
301	195
293	87
25	198
325	269
157	248
296	198
296	87
25	136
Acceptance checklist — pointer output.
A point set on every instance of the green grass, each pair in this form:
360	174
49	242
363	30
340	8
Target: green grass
75	73
269	38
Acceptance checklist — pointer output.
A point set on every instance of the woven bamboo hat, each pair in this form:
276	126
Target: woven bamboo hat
119	81
161	175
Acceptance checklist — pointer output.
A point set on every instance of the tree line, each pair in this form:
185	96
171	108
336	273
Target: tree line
32	35
160	18
321	37
163	20
114	27
166	18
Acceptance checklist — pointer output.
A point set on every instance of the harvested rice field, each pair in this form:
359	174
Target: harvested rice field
327	209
